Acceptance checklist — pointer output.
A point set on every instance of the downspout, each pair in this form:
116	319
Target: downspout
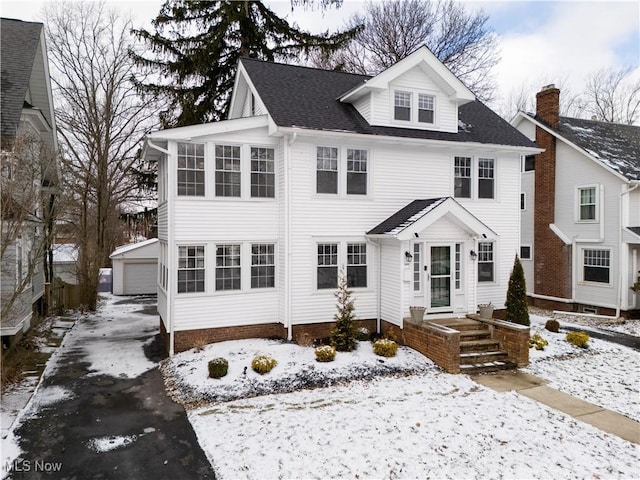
378	284
289	141
620	246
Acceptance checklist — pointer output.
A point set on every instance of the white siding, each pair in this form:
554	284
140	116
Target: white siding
526	226
390	298
363	105
163	308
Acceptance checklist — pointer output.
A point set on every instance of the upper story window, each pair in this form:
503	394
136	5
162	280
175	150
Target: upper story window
402	106
356	172
191	269
228	175
327	170
191	169
262	173
587	203
425	108
486	171
462	177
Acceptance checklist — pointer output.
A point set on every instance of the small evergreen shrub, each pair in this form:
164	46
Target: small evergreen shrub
537	341
579	339
516	303
385	347
263	364
218	367
325	353
552	325
363	334
343	333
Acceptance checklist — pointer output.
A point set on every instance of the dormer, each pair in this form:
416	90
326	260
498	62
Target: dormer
245	102
417	92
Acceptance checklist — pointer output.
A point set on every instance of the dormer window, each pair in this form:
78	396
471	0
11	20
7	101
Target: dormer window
402	103
425	108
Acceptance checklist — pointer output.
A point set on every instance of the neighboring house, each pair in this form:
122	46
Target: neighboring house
580	211
403	180
28	145
135	268
65	263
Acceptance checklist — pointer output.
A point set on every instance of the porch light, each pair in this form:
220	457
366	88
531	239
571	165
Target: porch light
408	257
473	255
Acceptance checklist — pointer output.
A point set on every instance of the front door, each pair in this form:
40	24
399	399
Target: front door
439	278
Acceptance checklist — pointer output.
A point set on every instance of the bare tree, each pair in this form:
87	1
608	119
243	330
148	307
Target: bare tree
463	41
27	166
101	120
613	95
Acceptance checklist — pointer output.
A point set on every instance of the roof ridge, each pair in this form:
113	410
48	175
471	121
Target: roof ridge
317	69
600	122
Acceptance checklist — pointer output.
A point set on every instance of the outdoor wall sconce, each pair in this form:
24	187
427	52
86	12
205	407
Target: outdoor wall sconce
408	257
473	255
416	234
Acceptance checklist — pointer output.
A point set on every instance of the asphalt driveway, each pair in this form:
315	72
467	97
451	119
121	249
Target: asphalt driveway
101	411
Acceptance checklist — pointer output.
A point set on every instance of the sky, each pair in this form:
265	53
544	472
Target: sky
541	42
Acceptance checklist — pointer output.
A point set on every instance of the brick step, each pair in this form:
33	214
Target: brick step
483	357
462	324
487	367
470	335
479	346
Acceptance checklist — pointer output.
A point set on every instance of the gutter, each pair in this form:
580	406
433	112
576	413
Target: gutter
289	141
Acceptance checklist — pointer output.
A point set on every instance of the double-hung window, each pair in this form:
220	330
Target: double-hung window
191	269
462	177
402	106
356	172
228	271
485	262
597	266
587	202
425	108
486	172
263	265
327	170
262	173
356	265
327	259
191	169
228	175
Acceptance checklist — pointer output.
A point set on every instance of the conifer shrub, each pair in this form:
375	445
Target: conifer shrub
516	303
385	347
343	335
579	339
263	364
552	325
363	334
537	341
325	353
218	367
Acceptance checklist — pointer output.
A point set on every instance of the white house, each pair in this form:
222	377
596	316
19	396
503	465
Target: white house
135	268
403	180
580	211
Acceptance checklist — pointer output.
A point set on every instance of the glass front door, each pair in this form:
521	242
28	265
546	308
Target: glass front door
439	278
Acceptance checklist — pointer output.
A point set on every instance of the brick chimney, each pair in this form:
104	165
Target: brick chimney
548	105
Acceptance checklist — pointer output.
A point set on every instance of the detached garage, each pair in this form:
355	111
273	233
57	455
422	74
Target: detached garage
135	268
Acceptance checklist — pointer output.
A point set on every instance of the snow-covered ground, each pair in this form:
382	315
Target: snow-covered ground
429	424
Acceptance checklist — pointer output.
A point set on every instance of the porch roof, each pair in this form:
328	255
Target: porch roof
419	214
632	235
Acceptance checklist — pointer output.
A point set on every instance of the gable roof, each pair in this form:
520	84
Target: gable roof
419	214
123	249
19	43
308	98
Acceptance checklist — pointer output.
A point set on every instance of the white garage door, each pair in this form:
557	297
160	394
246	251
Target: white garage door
140	278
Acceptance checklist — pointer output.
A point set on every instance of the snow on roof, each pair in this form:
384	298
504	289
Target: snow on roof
132	246
65	252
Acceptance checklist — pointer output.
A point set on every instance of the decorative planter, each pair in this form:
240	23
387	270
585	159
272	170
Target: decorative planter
486	311
417	313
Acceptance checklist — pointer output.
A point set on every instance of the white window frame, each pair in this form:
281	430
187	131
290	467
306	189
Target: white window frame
228	267
196	159
195	268
358	255
480	260
481	171
261	256
474	178
343	172
416	99
416	267
429	98
400	98
223	170
530	247
342	261
584	265
470	177
458	266
578	203
272	173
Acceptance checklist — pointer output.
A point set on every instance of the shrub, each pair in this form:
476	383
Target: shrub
516	303
579	339
537	341
552	326
363	334
325	353
385	347
343	333
263	364
218	367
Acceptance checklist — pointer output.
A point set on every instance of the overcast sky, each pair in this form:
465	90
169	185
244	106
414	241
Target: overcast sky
541	42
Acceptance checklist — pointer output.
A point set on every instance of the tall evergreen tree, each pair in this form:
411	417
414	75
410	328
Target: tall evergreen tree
517	306
198	44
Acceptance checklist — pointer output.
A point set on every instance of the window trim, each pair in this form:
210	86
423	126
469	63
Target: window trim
530	247
252	172
493	177
183	196
492	262
342	172
358	265
251	265
474	178
216	193
414	107
204	267
578	204
470	177
583	265
238	267
432	110
342	252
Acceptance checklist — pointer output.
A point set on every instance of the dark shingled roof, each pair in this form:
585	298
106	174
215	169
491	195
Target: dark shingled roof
308	98
615	145
403	218
635	230
18	45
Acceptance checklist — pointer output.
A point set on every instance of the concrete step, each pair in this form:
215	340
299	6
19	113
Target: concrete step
483	357
478	346
462	324
487	367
